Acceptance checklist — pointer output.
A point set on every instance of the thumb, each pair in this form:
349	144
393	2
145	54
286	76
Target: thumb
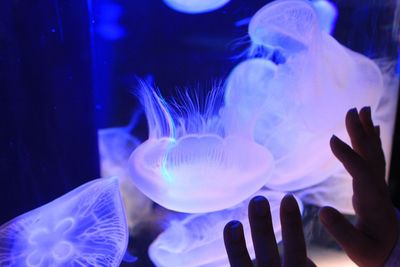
349	238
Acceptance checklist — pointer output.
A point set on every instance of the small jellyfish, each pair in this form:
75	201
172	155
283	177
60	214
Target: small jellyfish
115	147
195	6
85	227
198	241
188	164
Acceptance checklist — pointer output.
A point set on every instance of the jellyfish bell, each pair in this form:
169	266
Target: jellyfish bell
287	24
85	227
195	6
195	168
294	107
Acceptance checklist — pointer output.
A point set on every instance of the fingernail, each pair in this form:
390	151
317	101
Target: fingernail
290	203
260	205
235	230
353	111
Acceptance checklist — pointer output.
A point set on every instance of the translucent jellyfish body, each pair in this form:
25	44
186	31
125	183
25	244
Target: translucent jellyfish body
324	76
188	165
327	14
297	97
85	227
195	6
115	147
198	240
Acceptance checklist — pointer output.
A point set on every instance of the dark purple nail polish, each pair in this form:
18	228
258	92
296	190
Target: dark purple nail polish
260	205
235	230
353	111
291	203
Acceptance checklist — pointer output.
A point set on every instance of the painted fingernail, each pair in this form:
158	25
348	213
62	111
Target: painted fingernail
353	111
235	230
290	203
260	204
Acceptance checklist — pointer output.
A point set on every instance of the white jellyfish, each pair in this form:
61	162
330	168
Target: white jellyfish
188	164
85	227
115	147
295	100
198	239
195	6
327	14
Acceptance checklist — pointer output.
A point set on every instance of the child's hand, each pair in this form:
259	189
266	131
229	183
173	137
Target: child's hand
263	236
371	240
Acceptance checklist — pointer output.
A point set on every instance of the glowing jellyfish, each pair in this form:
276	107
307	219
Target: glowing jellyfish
298	97
327	14
115	147
188	164
85	227
195	6
198	239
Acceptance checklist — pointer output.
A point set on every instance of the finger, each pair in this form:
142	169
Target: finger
356	132
262	233
294	246
235	245
348	237
352	162
373	147
366	121
378	131
310	263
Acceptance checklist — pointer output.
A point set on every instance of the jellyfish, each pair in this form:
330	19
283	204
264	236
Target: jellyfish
195	6
327	14
85	227
297	98
188	164
197	240
115	146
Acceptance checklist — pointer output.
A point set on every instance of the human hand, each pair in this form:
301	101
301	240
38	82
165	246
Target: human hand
371	240
263	236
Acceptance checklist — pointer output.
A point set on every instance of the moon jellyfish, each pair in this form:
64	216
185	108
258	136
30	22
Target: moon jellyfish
327	14
188	164
115	147
198	239
195	6
85	227
294	100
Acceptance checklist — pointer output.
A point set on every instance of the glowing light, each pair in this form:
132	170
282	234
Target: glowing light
188	164
195	6
86	226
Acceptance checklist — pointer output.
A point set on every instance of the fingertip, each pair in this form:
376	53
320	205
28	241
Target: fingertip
289	204
259	206
328	214
233	231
